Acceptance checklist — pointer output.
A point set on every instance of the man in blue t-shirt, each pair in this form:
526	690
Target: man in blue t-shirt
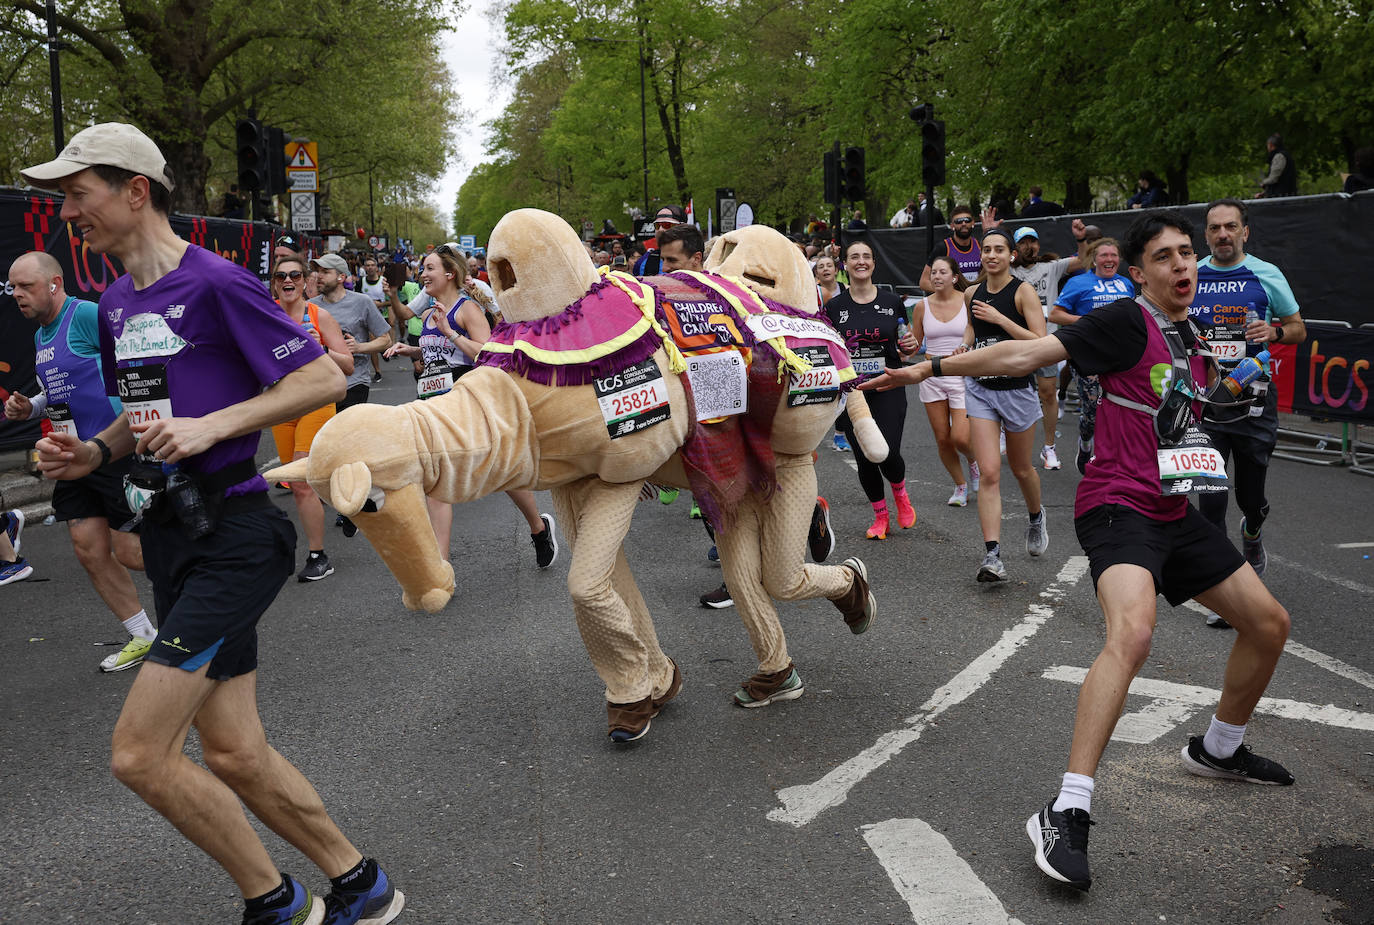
1232	285
1081	295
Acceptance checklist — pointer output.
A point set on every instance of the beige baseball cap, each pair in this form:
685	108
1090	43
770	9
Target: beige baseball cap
331	262
112	144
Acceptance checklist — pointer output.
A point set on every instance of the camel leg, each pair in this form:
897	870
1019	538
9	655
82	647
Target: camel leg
786	519
741	562
401	534
612	617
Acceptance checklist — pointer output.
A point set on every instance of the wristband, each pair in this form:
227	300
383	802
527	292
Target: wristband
935	366
104	450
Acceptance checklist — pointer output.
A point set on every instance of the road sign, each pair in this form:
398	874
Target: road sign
302	155
373	241
302	211
467	241
303	181
744	215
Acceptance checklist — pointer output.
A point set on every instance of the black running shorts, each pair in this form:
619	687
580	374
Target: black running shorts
100	494
1185	556
211	592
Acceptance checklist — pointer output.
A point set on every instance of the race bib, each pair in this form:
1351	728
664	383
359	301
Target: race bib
147	335
1227	343
60	416
1260	389
632	399
435	380
1193	465
868	359
719	384
818	385
143	391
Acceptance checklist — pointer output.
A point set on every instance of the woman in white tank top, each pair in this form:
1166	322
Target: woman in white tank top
941	320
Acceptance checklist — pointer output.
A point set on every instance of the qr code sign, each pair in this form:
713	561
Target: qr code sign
719	384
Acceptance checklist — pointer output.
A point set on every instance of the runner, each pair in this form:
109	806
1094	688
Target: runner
206	360
1141	535
293	438
1003	308
449	341
74	401
867	318
942	321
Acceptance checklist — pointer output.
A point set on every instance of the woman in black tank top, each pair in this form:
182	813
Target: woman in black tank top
1003	308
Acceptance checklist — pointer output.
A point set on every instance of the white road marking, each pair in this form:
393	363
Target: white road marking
939	886
1155	719
1327	714
1331	664
1355	545
1334	579
803	803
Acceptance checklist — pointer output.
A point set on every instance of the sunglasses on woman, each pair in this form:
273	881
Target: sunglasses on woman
281	275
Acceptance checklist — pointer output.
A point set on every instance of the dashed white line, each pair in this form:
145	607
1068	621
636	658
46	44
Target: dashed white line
1326	714
1331	664
1334	579
1355	545
939	886
803	803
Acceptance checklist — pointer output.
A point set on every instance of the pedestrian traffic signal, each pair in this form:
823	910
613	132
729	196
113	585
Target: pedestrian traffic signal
933	153
831	167
852	175
251	145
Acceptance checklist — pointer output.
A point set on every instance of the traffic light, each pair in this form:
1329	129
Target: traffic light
832	177
933	153
254	168
276	160
852	174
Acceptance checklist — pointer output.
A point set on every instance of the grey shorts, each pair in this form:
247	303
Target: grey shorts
1015	409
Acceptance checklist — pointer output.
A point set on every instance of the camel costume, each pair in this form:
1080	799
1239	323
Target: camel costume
581	390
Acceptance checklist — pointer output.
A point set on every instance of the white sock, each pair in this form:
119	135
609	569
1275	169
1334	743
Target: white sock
1222	739
1075	793
139	625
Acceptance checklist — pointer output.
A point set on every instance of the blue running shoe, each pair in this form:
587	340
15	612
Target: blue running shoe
376	906
14	528
303	909
17	570
841	442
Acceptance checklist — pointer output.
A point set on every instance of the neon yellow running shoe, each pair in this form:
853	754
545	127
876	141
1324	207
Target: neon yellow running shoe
133	653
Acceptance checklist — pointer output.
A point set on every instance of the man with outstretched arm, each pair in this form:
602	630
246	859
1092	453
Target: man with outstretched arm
1134	521
203	360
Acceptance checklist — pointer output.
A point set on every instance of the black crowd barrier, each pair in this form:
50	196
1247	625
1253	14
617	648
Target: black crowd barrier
1323	244
30	220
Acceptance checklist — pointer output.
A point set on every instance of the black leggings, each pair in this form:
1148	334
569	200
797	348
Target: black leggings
1252	466
889	413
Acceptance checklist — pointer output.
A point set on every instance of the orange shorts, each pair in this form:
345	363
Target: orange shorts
294	437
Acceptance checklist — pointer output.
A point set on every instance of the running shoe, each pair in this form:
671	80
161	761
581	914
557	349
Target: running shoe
820	538
1061	845
718	599
668	495
879	529
545	543
1038	535
906	514
695	512
1085	453
973	476
1244	765
14	528
1252	547
315	568
857	605
303	909
629	722
713	554
132	655
17	570
1049	458
763	689
377	905
376	377
960	496
992	568
841	442
1215	621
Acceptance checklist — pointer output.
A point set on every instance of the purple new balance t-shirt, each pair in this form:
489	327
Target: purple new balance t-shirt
203	337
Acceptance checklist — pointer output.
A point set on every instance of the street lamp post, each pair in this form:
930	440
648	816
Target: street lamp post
55	74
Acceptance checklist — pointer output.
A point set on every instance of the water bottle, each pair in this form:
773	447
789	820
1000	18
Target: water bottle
903	329
1251	316
1244	373
187	502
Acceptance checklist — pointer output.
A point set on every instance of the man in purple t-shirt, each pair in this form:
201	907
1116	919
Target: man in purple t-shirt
1141	535
203	360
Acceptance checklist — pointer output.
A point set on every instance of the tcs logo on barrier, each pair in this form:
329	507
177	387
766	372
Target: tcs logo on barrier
1335	380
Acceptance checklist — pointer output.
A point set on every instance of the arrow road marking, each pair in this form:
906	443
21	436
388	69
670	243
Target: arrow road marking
803	803
939	886
1196	697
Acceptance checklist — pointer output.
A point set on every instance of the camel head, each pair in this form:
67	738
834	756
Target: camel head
768	262
538	265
